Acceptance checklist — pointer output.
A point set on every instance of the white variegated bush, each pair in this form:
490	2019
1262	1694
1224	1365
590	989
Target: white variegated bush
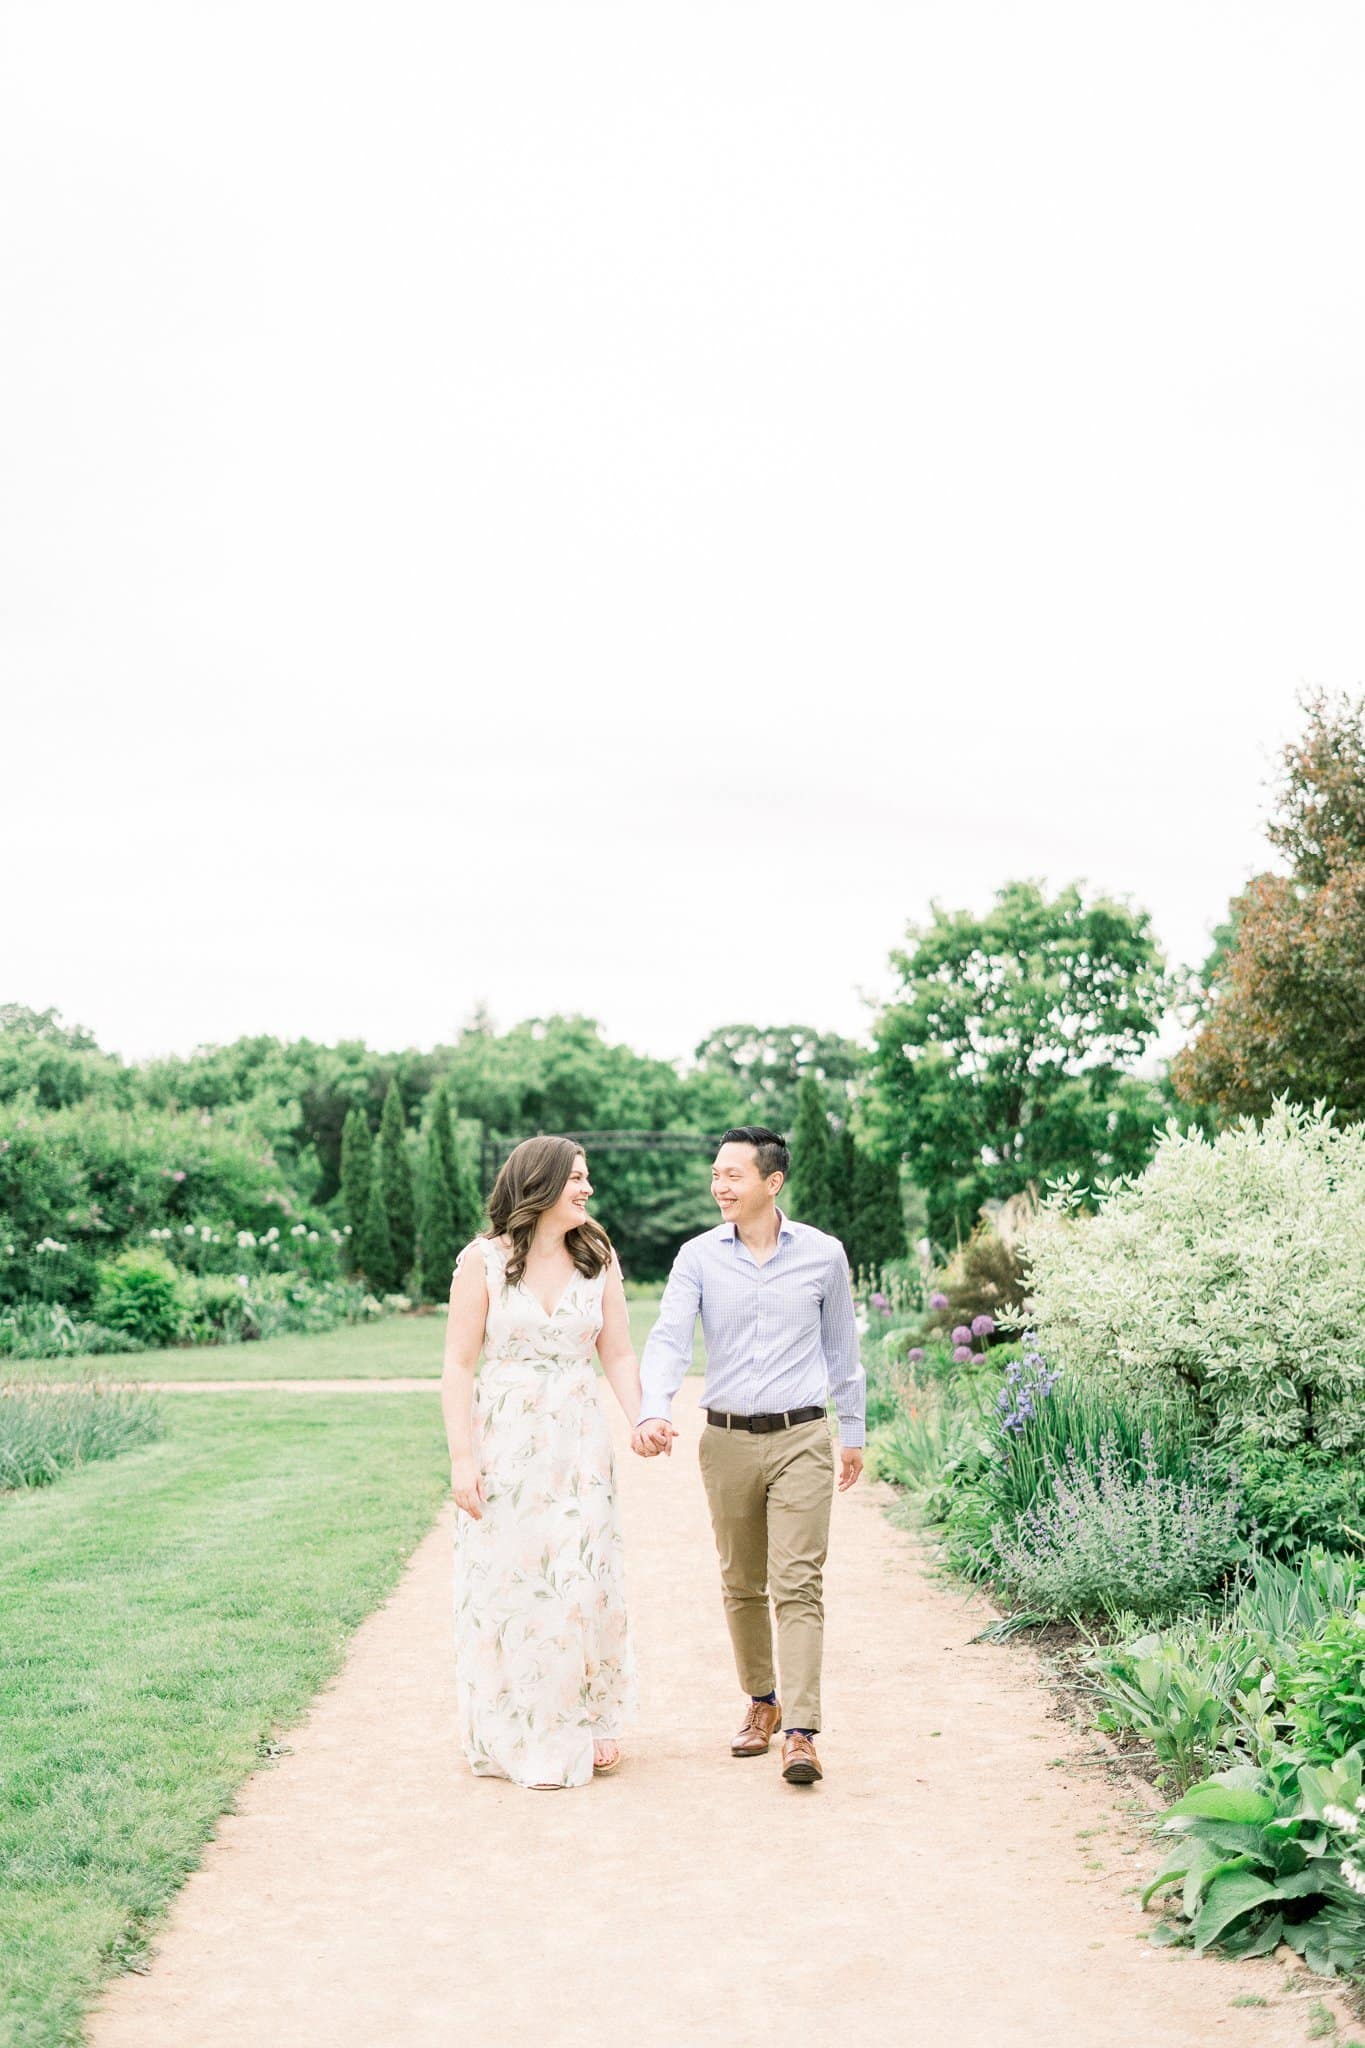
1232	1270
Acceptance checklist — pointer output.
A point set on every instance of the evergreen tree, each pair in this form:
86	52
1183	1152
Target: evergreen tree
461	1179
879	1223
357	1154
377	1261
843	1191
394	1176
439	1243
811	1175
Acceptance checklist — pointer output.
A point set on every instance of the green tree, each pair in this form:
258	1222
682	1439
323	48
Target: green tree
1003	1058
1283	1011
811	1190
844	1153
377	1259
394	1177
764	1066
878	1230
357	1162
439	1241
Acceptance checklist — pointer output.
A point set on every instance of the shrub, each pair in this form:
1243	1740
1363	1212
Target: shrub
1323	1688
1106	1539
1296	1497
139	1292
985	1276
45	1429
1232	1270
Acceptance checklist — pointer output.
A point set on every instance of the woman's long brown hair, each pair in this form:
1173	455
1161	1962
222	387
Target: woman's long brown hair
534	1175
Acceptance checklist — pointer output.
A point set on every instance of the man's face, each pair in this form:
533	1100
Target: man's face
738	1186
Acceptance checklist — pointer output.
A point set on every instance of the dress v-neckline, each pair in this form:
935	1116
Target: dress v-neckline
548	1313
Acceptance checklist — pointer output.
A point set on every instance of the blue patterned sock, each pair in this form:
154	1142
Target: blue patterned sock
809	1733
764	1699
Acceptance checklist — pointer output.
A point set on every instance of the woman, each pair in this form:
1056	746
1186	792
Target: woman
544	1668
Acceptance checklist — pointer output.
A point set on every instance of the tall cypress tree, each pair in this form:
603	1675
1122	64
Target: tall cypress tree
843	1191
439	1244
357	1155
395	1180
879	1225
377	1261
811	1201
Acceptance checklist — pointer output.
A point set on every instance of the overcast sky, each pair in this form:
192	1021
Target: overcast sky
615	508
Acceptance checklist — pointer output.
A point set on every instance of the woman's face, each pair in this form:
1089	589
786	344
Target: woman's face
572	1206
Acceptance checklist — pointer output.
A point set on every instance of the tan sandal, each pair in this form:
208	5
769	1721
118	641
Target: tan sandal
605	1770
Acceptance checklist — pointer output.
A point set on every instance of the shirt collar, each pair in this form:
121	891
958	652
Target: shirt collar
730	1235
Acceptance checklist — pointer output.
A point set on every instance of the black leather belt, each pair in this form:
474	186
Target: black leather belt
762	1423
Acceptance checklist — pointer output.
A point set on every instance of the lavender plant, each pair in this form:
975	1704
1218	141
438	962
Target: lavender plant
1109	1539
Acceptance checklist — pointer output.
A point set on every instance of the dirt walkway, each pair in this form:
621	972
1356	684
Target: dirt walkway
959	1878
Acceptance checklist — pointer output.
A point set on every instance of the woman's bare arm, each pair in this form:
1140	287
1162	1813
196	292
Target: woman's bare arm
464	1341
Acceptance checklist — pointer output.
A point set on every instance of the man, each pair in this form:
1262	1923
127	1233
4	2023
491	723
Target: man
776	1312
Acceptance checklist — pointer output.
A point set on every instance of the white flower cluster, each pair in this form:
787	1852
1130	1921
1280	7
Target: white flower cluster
48	1244
1348	1823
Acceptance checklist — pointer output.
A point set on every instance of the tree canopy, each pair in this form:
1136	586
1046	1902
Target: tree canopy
1004	1056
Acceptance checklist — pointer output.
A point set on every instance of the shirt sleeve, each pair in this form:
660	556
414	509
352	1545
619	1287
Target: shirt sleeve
843	1360
668	1347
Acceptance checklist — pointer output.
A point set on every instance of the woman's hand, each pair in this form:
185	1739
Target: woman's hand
467	1487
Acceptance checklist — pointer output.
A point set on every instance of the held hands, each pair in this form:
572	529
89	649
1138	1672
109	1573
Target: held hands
851	1463
652	1436
467	1487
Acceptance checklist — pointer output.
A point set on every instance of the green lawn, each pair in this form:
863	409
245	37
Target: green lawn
395	1347
161	1617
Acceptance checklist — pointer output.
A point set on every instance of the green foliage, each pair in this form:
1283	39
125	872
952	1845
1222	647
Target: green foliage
394	1178
1075	1422
139	1293
375	1251
812	1194
1323	1687
1105	1539
1284	996
48	1429
874	1235
1179	1690
1232	1270
439	1242
1258	1860
762	1070
48	1330
1296	1497
357	1164
1003	1058
985	1276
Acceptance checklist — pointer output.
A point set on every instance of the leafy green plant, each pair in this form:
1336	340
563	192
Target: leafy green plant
1264	1856
1105	1538
1294	1496
1187	1691
1323	1687
139	1292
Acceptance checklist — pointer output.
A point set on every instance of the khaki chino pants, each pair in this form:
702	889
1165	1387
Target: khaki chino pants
770	1497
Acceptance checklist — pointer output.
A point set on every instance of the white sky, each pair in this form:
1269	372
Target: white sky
614	508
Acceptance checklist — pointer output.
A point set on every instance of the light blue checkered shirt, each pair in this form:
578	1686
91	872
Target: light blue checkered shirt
778	1336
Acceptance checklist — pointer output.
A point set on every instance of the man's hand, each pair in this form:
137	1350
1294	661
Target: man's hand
652	1436
851	1460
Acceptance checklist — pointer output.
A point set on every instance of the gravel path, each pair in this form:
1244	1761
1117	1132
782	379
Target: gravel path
959	1877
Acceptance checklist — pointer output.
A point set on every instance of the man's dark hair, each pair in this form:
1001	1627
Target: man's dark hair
771	1147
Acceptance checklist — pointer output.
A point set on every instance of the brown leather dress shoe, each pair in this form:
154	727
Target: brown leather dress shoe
761	1723
800	1764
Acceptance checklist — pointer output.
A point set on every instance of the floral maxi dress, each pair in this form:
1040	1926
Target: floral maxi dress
543	1658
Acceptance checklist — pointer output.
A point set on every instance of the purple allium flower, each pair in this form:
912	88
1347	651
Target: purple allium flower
982	1325
916	1357
938	1301
962	1353
977	1357
962	1335
880	1301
